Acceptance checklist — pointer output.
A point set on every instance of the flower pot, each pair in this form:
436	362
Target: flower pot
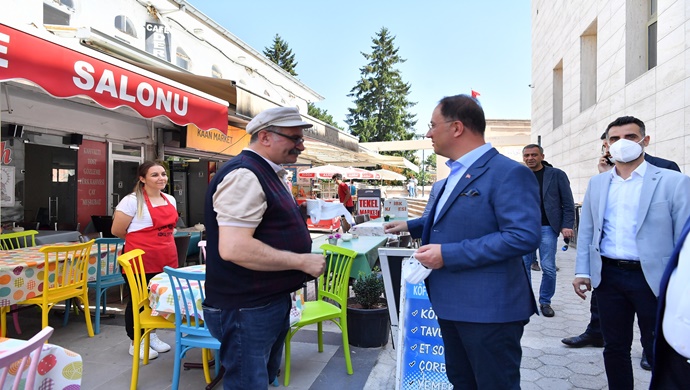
368	328
333	241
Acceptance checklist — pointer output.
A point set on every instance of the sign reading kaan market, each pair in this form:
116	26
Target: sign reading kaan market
230	144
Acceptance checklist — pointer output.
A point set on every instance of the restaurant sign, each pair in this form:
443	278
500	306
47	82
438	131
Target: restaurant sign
230	144
92	185
64	73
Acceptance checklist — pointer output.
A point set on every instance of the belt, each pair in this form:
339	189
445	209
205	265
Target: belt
631	265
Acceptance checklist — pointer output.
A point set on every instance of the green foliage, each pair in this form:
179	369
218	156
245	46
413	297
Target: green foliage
323	115
430	162
368	289
381	97
281	55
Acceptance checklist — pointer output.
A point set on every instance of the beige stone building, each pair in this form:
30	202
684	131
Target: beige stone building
596	60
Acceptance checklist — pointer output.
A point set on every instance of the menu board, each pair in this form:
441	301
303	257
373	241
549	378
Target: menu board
421	361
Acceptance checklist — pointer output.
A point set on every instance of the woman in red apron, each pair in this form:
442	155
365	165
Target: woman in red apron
145	219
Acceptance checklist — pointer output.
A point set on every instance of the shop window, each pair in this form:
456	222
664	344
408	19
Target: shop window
182	59
216	73
62	175
58	12
124	24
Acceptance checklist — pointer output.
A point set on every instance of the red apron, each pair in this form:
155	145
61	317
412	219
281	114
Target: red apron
157	241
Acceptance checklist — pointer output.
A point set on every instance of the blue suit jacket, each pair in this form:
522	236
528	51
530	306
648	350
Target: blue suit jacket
664	208
660	343
489	221
558	199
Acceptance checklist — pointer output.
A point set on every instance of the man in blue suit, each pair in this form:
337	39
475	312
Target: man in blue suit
557	217
483	220
672	336
631	218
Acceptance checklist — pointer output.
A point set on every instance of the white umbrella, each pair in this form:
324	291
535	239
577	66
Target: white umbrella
362	174
389	175
324	172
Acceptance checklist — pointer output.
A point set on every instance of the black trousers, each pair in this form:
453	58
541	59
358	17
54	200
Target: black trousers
129	312
482	356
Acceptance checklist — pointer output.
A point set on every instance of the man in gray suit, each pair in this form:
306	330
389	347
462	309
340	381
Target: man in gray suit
631	218
557	217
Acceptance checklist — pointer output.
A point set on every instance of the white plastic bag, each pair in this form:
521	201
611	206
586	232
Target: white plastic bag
413	271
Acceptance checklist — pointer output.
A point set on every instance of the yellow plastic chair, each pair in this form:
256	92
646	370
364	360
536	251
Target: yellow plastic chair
65	274
144	321
333	287
16	240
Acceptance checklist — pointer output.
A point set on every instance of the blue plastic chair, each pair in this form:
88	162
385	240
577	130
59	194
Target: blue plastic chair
108	274
190	332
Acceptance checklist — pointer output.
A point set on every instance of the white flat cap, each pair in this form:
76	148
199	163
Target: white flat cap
279	116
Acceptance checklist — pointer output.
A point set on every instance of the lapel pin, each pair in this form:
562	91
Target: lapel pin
468	176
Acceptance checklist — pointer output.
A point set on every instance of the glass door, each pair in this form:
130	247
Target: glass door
50	185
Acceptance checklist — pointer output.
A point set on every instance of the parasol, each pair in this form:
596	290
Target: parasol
324	172
389	175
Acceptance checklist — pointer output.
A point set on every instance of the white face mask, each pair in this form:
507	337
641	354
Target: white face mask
625	150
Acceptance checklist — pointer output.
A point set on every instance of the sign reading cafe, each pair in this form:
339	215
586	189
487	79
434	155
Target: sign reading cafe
158	40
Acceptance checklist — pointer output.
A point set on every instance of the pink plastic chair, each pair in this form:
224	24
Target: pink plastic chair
32	351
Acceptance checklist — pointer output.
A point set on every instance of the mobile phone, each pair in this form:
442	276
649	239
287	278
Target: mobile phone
607	157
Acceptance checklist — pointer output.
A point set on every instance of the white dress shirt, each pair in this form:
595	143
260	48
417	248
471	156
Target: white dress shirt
620	216
676	323
457	169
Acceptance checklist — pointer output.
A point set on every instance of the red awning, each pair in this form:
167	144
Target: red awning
64	72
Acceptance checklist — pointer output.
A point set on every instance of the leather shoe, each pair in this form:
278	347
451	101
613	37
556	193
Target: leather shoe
547	311
583	340
535	266
644	363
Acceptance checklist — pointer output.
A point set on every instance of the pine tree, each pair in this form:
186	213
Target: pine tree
281	55
381	97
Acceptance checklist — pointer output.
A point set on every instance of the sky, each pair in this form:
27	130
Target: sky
451	47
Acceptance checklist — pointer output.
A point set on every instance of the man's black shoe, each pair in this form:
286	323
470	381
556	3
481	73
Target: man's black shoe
644	363
547	311
583	340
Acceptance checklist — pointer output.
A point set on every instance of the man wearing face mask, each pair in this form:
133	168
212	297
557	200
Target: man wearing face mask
631	218
592	335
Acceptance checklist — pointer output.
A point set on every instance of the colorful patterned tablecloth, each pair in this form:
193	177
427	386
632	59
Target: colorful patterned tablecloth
373	228
58	369
161	299
21	272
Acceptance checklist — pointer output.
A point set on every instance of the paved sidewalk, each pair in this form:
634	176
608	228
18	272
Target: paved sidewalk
547	363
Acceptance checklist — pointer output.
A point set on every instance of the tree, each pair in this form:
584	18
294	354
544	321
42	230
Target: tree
430	162
281	55
322	115
381	97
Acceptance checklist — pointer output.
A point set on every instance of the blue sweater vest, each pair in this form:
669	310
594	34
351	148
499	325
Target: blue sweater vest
230	286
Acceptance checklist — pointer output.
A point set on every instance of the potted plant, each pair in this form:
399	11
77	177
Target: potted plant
368	323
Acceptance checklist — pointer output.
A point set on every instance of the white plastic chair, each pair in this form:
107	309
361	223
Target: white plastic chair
31	350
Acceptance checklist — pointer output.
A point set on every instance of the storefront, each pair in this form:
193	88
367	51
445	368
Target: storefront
76	123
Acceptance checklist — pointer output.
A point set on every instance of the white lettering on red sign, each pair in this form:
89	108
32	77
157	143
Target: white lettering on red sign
145	95
3	49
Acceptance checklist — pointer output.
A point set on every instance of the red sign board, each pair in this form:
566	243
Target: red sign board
92	187
64	72
371	206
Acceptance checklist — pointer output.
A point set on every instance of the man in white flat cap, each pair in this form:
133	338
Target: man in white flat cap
258	251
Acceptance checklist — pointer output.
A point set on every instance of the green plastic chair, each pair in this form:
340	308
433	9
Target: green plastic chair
333	287
16	240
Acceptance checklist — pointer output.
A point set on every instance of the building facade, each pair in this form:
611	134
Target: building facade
89	89
596	60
